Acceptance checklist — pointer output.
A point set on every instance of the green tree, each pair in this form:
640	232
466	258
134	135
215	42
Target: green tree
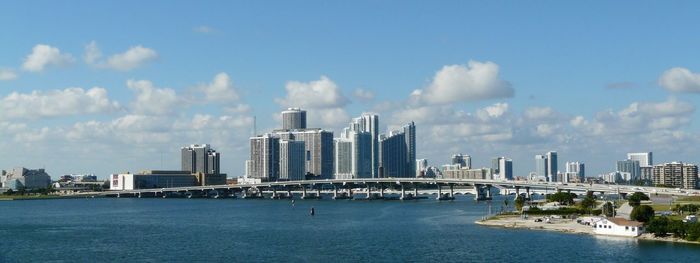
562	198
642	213
9	192
609	209
519	203
637	198
693	232
678	228
588	202
658	226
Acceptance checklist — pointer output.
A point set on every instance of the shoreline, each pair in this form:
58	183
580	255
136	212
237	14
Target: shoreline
568	226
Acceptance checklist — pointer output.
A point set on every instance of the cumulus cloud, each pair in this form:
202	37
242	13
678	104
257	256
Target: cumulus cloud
44	55
152	100
317	94
363	95
322	98
638	117
7	74
54	103
220	89
92	53
680	80
458	83
134	57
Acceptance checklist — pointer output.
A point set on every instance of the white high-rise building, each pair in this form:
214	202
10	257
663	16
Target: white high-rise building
369	122
353	154
574	171
421	167
644	159
541	167
264	157
505	168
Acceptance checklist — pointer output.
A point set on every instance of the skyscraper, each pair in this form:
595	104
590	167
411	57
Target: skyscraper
575	170
465	161
644	159
552	168
342	163
200	159
369	123
631	167
505	168
264	157
421	167
318	144
541	166
292	163
353	155
293	119
410	136
394	154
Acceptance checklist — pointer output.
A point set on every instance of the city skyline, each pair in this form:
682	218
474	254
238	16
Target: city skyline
109	97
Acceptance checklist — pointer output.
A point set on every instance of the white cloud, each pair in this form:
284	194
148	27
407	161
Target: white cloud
45	55
54	103
318	94
638	118
472	82
363	95
494	111
134	57
221	89
92	53
152	100
539	113
680	80
7	74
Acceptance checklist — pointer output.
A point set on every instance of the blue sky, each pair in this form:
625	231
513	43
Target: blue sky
497	78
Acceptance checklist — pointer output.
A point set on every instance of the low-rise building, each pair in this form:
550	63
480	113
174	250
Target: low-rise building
481	173
163	179
619	227
21	177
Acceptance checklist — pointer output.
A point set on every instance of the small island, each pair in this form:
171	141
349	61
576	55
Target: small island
637	216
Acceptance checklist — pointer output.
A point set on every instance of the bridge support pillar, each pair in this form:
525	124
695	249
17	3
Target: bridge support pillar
381	191
415	191
403	192
274	193
303	192
439	188
527	193
488	192
335	192
369	191
318	193
479	192
452	191
118	196
289	194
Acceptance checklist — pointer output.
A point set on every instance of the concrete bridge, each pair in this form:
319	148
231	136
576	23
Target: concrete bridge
379	188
